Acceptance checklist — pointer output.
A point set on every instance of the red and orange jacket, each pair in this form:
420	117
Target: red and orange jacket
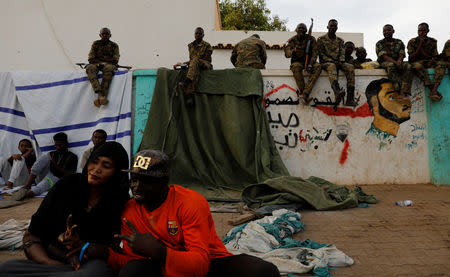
184	224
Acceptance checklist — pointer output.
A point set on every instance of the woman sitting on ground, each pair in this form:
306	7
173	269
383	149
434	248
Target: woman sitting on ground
79	209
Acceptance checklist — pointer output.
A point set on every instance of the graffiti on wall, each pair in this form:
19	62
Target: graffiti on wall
417	97
389	109
288	125
384	105
303	139
417	134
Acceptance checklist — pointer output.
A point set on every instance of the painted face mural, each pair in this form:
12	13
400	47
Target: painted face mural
388	108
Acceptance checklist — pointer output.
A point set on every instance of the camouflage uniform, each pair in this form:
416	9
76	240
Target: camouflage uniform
100	51
401	80
249	53
298	62
422	61
199	58
445	62
330	52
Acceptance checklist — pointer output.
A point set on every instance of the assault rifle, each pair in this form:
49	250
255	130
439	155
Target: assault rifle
308	48
83	66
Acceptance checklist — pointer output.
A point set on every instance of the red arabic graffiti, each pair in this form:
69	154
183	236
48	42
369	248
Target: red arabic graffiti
362	111
344	153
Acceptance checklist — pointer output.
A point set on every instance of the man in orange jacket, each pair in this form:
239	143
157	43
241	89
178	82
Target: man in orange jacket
168	230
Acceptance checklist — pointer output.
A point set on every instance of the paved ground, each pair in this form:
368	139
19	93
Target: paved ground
384	240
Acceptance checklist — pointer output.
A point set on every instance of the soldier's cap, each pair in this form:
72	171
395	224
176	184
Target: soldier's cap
153	163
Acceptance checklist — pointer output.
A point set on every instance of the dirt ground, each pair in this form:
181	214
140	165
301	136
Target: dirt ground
383	239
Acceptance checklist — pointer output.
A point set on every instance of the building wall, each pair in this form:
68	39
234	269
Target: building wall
438	115
341	146
54	35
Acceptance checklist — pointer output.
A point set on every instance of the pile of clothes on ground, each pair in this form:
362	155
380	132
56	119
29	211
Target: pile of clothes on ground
270	238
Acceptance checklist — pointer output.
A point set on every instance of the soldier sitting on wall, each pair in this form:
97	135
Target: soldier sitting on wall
361	55
445	61
200	53
104	57
296	50
332	58
349	48
250	53
391	52
423	54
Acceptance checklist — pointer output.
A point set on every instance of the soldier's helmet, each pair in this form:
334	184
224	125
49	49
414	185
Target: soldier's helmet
152	163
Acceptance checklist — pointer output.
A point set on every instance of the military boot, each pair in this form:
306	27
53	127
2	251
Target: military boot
351	97
339	94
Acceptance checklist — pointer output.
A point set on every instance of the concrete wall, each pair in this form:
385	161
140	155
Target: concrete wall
341	146
438	115
54	35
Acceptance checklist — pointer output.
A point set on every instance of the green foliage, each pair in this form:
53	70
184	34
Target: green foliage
249	15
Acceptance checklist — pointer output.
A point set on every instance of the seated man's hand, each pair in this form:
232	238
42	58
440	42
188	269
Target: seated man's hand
16	157
145	245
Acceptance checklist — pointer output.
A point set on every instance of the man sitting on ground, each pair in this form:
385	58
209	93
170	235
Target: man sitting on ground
49	168
104	57
168	230
98	138
17	167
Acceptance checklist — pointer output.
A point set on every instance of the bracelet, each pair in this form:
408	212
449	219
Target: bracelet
85	246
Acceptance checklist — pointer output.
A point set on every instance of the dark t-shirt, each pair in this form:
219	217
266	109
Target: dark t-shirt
70	195
66	160
30	160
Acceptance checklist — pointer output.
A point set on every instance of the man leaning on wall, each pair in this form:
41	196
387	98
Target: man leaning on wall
250	53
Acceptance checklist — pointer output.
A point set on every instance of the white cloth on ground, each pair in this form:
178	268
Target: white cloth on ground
11	233
254	240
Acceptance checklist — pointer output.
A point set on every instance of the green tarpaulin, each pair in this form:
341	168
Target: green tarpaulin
312	192
223	143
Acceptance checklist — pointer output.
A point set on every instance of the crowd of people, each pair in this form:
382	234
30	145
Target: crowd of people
165	229
87	225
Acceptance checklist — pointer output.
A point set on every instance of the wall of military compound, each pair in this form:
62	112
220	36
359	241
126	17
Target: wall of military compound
345	146
54	35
